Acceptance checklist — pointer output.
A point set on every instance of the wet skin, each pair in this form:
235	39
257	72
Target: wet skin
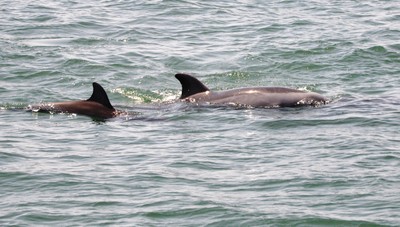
97	106
195	91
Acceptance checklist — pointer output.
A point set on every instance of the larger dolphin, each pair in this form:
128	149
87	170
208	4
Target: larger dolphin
97	106
195	91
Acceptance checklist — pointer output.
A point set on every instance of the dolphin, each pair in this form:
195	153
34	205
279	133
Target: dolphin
195	91
97	106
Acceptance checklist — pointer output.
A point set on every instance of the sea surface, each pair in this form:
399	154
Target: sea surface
179	164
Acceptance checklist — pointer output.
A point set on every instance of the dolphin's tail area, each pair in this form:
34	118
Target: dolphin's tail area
99	95
190	85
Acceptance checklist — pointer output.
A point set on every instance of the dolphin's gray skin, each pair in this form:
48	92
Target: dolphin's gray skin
195	91
97	106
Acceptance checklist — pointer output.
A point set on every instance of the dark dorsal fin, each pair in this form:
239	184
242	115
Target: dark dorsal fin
99	95
190	85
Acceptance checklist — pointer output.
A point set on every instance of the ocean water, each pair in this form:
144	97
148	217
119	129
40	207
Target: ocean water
176	164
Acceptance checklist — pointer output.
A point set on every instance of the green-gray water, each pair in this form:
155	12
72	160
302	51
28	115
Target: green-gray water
181	165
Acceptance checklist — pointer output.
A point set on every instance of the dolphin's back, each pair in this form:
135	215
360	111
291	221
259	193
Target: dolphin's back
261	97
195	91
98	105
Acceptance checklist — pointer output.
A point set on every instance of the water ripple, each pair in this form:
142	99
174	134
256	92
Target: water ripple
187	165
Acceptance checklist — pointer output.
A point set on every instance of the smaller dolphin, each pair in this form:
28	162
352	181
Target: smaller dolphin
97	106
195	91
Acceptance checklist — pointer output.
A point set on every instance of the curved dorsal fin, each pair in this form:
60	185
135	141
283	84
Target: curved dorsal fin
99	95
190	85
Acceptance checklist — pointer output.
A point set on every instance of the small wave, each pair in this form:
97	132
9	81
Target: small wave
139	95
